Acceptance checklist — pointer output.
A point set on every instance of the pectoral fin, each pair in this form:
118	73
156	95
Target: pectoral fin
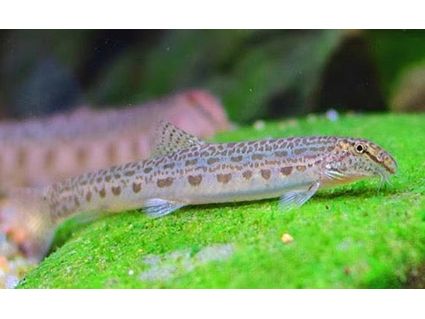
157	207
297	197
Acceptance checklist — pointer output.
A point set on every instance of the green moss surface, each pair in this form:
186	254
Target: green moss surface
352	236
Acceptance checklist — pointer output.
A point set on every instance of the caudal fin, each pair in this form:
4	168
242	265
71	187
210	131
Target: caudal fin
24	217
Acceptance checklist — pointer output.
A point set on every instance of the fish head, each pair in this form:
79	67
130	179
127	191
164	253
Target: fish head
355	158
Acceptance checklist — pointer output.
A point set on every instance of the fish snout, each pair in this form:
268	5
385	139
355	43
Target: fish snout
389	162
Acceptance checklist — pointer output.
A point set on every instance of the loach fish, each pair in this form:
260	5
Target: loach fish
185	170
38	152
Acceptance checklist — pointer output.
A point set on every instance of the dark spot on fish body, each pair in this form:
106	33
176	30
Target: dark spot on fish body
299	151
116	190
272	162
257	156
191	162
137	187
169	166
194	180
266	173
213	160
102	192
127	165
99	179
88	196
211	149
247	174
147	170
76	202
129	173
281	153
236	158
286	170
165	182
224	178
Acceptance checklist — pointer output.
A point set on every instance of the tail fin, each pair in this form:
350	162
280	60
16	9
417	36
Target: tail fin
24	216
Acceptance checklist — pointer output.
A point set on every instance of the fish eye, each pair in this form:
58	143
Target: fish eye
360	148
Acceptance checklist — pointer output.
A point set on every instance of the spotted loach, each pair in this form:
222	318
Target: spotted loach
185	170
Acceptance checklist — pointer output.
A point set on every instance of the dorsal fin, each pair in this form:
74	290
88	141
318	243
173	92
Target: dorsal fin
170	139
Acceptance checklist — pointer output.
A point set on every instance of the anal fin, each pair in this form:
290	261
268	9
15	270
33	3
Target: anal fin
157	207
296	198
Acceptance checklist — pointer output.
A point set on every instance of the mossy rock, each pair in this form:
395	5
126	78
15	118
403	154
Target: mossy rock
357	235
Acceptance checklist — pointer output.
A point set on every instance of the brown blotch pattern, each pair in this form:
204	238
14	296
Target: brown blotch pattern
88	196
147	170
194	180
169	166
164	182
191	162
247	174
266	173
137	187
129	173
281	153
102	192
257	157
116	190
224	178
236	158
76	201
286	170
212	160
108	178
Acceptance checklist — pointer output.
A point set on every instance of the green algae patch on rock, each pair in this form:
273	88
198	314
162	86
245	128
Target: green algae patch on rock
353	236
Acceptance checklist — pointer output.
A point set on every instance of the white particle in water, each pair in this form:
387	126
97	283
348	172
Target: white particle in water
332	115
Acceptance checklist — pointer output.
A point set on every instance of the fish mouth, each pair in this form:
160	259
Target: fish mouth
390	165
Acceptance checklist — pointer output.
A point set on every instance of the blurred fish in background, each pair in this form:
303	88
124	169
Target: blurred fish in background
41	151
